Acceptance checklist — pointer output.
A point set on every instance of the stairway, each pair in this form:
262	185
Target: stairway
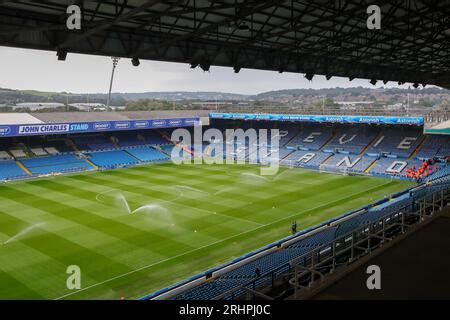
22	166
177	144
419	147
371	166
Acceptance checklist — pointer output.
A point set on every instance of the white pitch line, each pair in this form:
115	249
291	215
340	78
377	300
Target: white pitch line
216	213
220	214
155	263
181	194
211	244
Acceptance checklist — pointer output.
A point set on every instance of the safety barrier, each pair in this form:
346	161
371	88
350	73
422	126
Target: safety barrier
367	214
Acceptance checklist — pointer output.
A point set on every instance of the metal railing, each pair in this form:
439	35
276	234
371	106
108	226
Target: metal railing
303	271
252	285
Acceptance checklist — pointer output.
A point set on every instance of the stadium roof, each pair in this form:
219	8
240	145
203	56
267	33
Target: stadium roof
75	117
314	37
115	116
441	128
18	118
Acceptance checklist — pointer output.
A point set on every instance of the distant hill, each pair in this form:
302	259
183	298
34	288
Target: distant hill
269	95
333	92
11	97
182	95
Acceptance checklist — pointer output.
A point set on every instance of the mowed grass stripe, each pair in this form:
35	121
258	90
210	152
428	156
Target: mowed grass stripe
193	205
20	290
306	196
112	227
217	245
209	229
174	201
237	196
68	253
281	202
195	178
197	204
133	256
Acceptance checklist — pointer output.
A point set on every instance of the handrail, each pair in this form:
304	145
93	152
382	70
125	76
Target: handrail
322	247
302	234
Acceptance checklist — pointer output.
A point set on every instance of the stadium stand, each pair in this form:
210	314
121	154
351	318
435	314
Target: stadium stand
284	153
60	145
38	151
56	164
442	172
352	139
362	165
384	165
9	170
444	148
167	148
312	137
365	149
5	155
435	146
112	159
304	158
147	154
94	142
18	153
398	142
348	162
288	133
128	139
51	150
154	137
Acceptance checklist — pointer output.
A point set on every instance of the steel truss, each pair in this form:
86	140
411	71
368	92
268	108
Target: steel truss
314	37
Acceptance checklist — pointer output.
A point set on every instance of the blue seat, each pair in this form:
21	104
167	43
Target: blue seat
112	159
148	154
9	170
56	164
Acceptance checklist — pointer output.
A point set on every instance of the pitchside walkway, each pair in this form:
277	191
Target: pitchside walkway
414	268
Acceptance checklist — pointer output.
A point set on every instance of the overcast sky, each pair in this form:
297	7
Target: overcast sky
40	70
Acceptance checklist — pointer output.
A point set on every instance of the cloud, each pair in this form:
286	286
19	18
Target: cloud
40	70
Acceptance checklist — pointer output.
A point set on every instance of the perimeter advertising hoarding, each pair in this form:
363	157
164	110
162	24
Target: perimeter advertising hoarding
418	121
83	127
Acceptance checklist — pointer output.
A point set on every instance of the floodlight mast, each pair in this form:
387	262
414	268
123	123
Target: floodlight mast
115	61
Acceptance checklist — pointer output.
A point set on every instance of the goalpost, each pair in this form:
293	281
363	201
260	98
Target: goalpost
291	164
345	171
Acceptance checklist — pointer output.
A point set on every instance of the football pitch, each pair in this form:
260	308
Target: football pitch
133	231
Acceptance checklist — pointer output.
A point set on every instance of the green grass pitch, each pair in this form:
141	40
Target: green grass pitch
136	230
